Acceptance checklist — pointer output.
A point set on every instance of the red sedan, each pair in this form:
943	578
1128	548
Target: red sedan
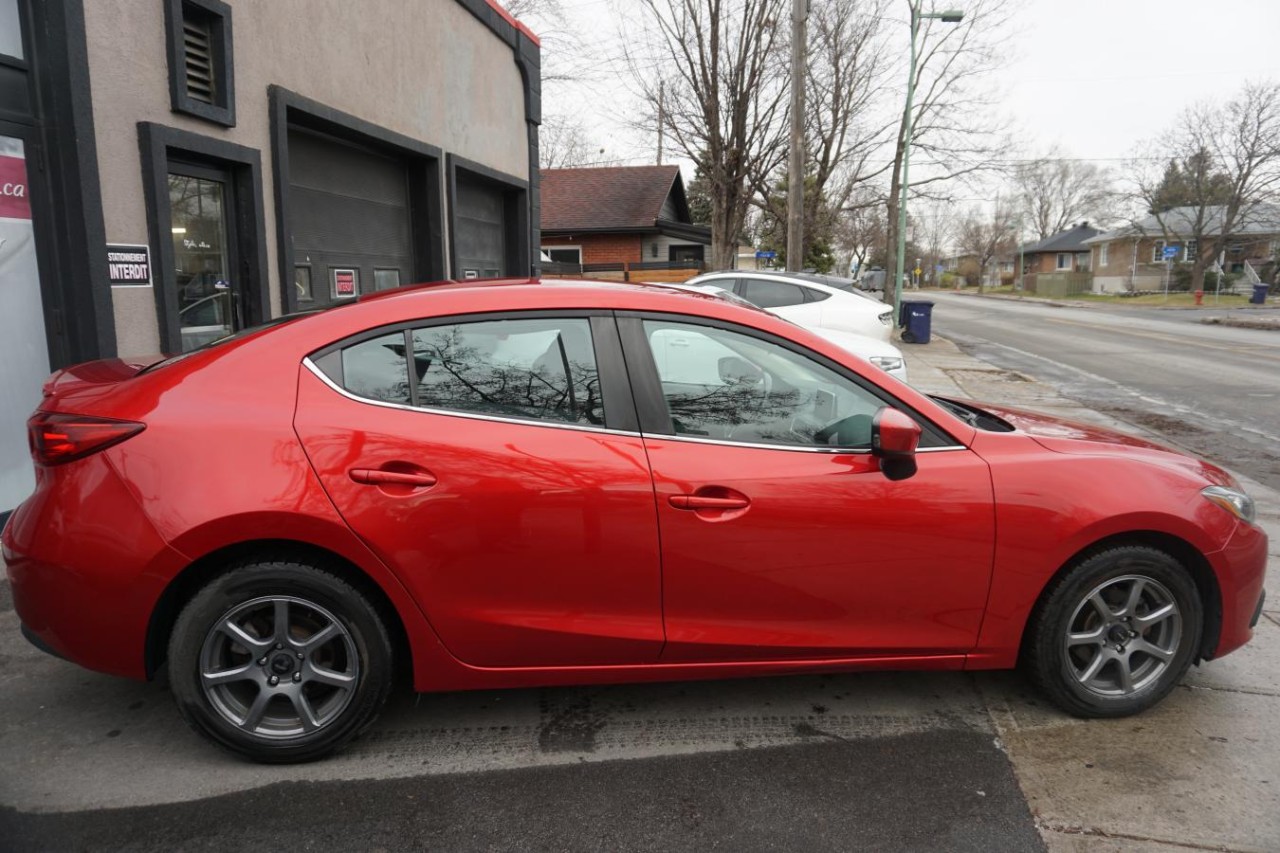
519	483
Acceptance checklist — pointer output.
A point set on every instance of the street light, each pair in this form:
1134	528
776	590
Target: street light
950	16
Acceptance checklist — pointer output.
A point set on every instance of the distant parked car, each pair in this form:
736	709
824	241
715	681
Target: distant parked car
880	353
808	299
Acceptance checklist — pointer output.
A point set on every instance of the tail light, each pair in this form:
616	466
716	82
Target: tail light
56	438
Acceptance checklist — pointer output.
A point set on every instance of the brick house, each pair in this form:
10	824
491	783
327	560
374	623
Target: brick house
1132	257
1064	252
619	215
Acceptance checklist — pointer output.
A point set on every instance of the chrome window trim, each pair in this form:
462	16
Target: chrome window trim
799	448
454	413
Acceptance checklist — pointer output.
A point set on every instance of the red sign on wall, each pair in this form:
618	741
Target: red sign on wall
344	283
13	189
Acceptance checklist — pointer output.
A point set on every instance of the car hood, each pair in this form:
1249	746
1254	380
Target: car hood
1073	437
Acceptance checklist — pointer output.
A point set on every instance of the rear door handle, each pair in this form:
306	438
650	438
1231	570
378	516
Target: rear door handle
696	502
378	477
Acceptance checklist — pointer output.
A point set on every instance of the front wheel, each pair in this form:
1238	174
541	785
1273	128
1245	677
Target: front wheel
1116	633
279	662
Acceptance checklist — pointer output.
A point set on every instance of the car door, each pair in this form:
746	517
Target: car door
781	538
492	462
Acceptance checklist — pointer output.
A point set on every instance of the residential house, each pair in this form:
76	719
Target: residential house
1057	255
620	215
1133	257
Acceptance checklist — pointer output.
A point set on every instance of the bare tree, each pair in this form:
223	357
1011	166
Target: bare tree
858	235
1228	159
987	236
1056	191
955	129
725	84
563	143
846	70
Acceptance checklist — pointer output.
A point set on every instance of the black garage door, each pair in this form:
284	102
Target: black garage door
349	217
482	226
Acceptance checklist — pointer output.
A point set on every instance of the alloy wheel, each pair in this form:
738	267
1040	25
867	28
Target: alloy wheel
1123	635
279	667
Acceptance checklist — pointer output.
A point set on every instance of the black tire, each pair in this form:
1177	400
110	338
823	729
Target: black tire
1066	610
336	685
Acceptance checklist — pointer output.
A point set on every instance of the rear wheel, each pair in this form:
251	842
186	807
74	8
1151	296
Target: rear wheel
279	662
1116	633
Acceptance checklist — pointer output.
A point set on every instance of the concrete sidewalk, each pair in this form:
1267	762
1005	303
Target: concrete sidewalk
1200	771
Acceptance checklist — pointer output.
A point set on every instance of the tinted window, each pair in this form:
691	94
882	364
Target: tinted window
376	369
543	369
728	386
812	295
771	294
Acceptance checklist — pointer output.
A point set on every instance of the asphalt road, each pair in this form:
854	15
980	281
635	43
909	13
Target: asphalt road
1213	389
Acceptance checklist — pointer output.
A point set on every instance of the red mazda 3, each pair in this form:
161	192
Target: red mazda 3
520	483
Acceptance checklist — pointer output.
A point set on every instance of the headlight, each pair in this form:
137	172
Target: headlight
886	362
1235	502
887	318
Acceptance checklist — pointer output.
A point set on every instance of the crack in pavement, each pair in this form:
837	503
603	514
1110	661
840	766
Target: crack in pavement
1094	832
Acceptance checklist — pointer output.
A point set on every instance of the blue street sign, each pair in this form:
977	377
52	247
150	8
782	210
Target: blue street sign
767	255
1170	252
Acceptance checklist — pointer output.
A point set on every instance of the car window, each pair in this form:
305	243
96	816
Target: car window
732	387
771	294
376	369
812	294
537	368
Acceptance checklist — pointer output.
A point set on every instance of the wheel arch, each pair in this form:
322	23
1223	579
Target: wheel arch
1195	562
183	586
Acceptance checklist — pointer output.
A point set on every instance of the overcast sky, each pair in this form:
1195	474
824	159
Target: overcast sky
1095	77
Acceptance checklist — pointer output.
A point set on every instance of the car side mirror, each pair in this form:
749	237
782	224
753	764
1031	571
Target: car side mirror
894	439
739	371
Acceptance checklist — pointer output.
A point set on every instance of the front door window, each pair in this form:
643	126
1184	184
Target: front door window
202	259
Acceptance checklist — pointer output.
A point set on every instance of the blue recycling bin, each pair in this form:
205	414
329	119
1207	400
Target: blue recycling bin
917	321
1259	295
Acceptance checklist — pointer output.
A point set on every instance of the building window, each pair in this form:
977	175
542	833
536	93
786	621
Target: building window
1102	254
201	79
564	255
1157	252
1064	261
1191	251
10	31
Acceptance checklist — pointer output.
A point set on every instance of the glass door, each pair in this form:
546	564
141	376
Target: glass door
24	349
204	254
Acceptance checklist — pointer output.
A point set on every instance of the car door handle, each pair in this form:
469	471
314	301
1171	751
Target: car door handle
696	502
379	477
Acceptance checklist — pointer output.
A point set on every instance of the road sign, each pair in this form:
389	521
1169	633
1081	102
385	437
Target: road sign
1170	252
766	255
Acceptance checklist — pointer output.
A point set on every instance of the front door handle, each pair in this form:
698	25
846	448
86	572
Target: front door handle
380	477
696	502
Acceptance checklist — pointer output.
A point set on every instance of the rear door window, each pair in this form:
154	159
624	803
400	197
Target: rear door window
530	369
771	294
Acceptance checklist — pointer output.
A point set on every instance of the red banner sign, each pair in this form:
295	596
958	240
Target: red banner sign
13	189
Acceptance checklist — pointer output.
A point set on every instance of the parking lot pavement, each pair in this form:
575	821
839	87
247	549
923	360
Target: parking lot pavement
926	761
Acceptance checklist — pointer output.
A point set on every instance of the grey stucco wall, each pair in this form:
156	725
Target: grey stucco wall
423	68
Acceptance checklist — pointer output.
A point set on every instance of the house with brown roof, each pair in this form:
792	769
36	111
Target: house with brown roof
633	215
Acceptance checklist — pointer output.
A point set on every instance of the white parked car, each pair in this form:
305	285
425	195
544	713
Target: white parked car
879	352
813	301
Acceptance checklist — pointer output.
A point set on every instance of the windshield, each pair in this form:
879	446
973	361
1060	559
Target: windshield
237	335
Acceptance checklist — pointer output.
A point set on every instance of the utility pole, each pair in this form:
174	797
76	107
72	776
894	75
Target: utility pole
662	86
795	172
950	16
